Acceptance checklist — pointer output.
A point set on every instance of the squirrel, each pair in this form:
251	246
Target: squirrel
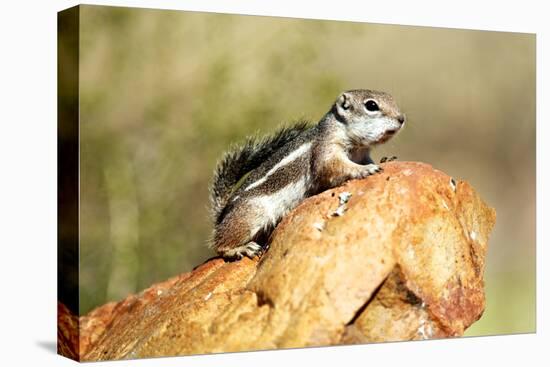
257	183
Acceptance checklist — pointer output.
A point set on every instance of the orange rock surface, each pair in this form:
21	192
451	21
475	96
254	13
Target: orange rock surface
402	259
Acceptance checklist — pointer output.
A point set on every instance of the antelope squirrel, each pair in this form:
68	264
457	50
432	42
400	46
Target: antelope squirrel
258	182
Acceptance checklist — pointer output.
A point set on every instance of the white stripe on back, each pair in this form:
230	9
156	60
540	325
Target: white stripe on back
273	206
285	161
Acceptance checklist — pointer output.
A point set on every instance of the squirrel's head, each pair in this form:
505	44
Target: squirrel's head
370	117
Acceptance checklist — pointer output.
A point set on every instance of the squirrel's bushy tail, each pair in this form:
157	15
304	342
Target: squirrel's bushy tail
241	159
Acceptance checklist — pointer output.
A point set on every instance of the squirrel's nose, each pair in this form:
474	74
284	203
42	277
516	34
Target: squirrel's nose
401	119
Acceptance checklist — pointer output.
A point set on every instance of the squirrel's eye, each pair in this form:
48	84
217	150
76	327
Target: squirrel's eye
371	105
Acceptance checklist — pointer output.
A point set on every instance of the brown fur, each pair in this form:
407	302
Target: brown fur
234	230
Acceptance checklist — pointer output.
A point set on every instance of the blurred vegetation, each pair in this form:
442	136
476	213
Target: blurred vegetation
163	94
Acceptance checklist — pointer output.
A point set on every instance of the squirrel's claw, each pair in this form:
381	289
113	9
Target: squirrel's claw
371	169
388	159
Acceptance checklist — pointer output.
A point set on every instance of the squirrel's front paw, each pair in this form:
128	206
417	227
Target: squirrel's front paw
371	169
388	159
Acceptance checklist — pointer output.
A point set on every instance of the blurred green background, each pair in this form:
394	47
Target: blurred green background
164	93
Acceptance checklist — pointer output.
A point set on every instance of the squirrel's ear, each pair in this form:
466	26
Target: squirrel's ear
343	104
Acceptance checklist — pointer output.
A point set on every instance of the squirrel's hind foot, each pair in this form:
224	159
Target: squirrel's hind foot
251	249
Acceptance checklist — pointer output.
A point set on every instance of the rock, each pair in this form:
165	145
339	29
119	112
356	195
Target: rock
402	259
67	332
